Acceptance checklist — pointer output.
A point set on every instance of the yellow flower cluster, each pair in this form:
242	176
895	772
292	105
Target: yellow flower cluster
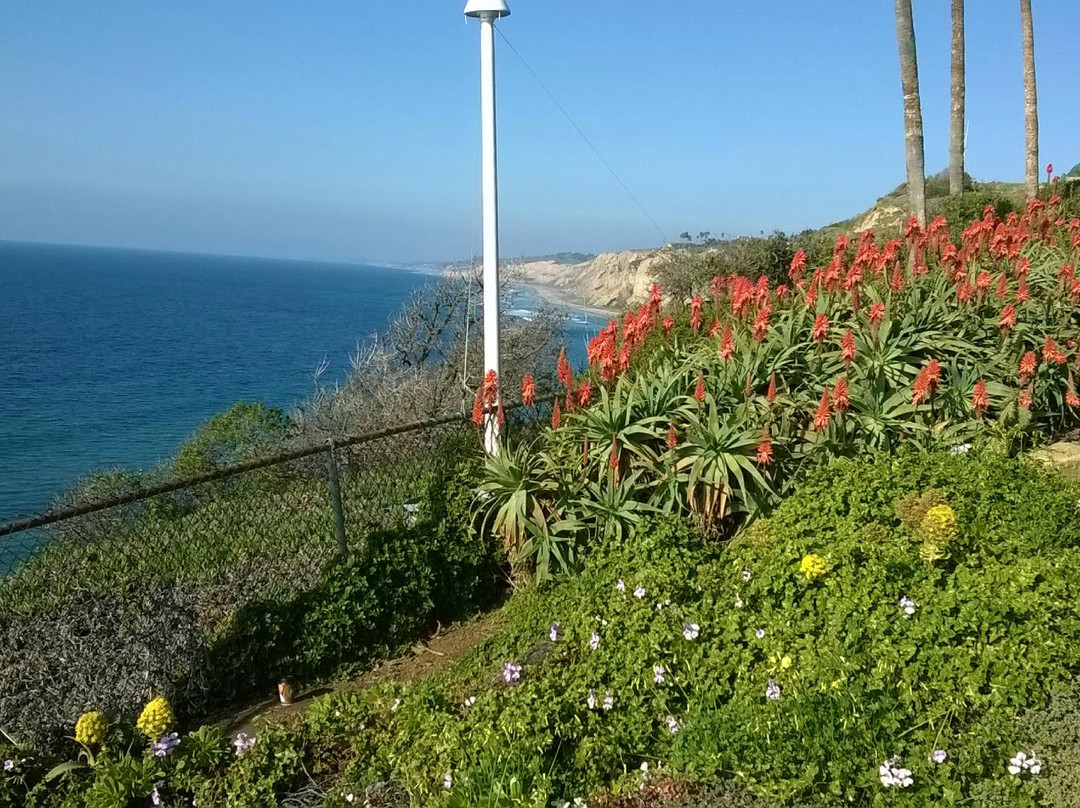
156	719
90	728
939	527
813	566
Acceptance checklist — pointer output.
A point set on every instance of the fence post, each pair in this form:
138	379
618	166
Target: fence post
335	501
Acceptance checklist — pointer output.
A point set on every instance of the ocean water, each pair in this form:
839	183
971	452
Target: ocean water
112	358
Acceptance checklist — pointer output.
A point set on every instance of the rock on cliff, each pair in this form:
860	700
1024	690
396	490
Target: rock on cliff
611	280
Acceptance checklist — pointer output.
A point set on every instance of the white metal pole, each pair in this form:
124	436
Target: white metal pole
490	185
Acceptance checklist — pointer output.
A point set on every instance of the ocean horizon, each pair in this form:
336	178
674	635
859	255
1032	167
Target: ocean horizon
110	358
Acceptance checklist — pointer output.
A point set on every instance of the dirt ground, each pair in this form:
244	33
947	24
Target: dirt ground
432	655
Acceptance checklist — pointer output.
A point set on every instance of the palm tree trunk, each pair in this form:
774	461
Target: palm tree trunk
959	91
1031	105
913	127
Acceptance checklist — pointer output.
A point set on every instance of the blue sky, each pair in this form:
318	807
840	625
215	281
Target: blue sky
350	130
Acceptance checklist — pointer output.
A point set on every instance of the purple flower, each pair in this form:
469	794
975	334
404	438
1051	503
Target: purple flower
243	743
908	605
639	593
939	756
511	672
9	765
554	632
658	674
759	633
166	745
155	796
594	641
772	692
672	724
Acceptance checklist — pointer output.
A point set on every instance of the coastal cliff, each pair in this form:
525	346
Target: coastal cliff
609	281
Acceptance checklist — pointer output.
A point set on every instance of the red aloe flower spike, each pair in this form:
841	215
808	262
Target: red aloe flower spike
770	396
584	394
714	327
556	415
672	438
478	408
761	324
1051	353
847	347
500	417
563	372
1008	317
841	401
1022	291
695	312
980	400
613	458
926	382
1025	398
896	280
669	324
877	314
528	390
699	389
727	344
1070	396
1028	363
798	267
820	329
764	449
821	417
1002	287
655	297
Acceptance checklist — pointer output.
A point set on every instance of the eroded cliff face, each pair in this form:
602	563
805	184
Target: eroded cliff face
611	280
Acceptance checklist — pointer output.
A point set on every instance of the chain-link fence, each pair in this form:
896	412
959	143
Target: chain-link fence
138	584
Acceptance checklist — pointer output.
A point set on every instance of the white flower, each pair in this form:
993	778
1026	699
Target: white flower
672	724
609	701
759	633
448	781
747	575
639	593
591	700
349	798
554	632
469	702
939	756
243	743
1025	763
658	674
511	672
621	585
395	705
960	449
594	641
738	601
893	776
691	630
